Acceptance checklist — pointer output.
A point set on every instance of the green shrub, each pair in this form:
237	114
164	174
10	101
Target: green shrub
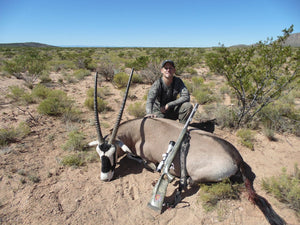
75	160
225	115
191	71
19	94
75	141
137	79
211	194
139	63
102	105
12	134
203	96
286	188
202	92
106	70
246	138
56	104
137	109
101	92
16	92
282	116
40	91
81	74
121	80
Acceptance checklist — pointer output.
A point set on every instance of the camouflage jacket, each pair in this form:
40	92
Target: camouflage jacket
159	95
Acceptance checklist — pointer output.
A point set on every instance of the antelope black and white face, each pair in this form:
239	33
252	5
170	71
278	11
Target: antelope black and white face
106	150
108	158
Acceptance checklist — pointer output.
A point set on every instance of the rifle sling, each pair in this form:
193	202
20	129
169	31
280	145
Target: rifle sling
183	173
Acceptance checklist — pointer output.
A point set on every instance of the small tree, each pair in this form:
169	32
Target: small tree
106	70
258	74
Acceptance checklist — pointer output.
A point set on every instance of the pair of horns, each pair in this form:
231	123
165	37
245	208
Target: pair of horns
115	130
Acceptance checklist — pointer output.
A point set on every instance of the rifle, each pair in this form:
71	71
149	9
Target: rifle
160	188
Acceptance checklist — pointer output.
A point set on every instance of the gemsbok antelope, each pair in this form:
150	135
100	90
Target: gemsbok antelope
209	158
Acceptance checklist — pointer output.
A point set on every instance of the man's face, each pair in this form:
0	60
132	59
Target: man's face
168	71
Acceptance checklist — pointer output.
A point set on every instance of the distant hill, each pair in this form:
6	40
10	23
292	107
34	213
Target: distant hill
25	44
293	40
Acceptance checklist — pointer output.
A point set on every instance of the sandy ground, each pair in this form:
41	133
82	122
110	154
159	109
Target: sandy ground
68	195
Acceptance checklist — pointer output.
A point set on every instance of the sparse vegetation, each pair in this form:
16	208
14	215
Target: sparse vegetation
75	160
286	188
121	79
211	194
28	66
102	104
137	109
57	103
81	73
13	134
246	137
76	141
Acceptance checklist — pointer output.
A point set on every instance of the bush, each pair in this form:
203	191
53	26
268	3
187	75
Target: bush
226	116
246	138
75	160
137	109
137	79
204	96
151	73
81	73
40	91
75	141
28	66
106	70
57	103
139	63
11	134
211	194
16	92
121	79
101	92
286	188
19	94
281	116
102	105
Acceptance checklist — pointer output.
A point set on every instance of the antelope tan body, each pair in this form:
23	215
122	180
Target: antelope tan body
209	158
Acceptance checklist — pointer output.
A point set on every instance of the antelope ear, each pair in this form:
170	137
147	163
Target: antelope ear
123	146
93	143
115	130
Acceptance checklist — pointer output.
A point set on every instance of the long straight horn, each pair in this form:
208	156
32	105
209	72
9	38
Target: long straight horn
100	136
114	133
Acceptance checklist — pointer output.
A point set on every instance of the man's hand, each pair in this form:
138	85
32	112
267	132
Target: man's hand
164	109
151	116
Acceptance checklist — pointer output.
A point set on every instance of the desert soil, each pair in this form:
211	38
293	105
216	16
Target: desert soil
66	195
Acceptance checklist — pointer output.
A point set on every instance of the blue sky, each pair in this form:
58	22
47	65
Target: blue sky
148	23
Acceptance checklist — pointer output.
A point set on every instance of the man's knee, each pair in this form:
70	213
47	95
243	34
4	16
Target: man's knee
186	107
185	111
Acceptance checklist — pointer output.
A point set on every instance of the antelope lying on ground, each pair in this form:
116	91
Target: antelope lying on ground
209	158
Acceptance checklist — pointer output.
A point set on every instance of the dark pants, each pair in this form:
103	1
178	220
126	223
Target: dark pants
180	112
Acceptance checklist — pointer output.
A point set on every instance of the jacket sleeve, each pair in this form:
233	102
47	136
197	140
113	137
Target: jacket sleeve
183	92
152	95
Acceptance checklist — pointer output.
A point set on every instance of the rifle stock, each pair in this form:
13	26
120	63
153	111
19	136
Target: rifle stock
160	188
